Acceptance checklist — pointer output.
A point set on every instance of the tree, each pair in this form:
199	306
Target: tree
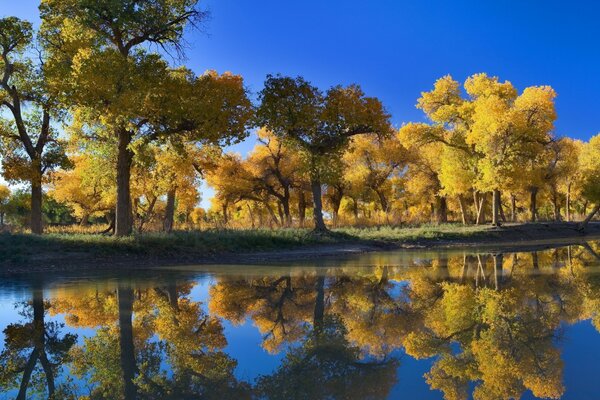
319	124
590	171
87	187
29	141
373	163
140	98
4	198
496	130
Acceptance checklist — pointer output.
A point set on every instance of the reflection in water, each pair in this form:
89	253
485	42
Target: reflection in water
488	325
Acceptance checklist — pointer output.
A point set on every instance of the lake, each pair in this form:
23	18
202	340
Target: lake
405	324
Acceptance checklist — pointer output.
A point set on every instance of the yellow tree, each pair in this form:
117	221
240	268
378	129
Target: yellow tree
319	124
87	188
508	130
373	163
590	171
134	93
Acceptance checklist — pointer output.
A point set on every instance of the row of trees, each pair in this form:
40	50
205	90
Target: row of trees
486	156
138	133
491	325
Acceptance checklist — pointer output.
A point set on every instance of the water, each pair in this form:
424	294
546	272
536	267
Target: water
412	324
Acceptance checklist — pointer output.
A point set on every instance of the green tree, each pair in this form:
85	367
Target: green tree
29	142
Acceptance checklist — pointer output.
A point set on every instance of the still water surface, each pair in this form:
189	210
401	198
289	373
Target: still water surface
412	324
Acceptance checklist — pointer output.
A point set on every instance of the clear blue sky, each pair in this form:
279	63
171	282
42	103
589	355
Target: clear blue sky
397	49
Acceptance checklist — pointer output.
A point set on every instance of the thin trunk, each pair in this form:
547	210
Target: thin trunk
568	203
382	201
126	343
285	202
513	208
301	208
498	258
587	219
463	210
555	205
170	210
533	204
479	199
496	208
123	219
315	186
224	210
355	208
36	204
251	213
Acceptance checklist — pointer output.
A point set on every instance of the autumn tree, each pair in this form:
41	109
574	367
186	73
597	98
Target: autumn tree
4	197
590	171
376	163
28	140
87	187
319	124
141	98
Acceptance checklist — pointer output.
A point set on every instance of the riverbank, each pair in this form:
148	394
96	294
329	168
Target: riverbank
25	253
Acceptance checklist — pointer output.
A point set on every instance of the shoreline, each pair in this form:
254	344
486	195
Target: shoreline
51	257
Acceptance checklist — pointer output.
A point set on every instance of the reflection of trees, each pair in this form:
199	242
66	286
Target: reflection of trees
301	309
139	331
488	321
326	366
34	353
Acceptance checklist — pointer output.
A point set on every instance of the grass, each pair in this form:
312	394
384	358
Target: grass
23	248
417	233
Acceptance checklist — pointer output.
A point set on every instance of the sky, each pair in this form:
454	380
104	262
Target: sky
397	49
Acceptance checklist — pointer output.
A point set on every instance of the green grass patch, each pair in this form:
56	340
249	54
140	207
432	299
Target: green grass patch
18	248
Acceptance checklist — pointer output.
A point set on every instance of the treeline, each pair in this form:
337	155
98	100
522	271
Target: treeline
139	134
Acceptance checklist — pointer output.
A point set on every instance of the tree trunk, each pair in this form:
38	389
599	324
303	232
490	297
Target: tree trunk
285	202
479	199
555	205
382	201
84	219
355	209
315	186
126	343
568	203
36	204
513	208
496	208
301	208
225	216
533	204
123	219
587	219
463	210
170	210
441	211
498	258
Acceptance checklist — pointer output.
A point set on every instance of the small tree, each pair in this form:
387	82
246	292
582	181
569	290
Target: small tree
319	124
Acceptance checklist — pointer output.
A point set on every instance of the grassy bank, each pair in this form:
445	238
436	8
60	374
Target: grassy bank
178	247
